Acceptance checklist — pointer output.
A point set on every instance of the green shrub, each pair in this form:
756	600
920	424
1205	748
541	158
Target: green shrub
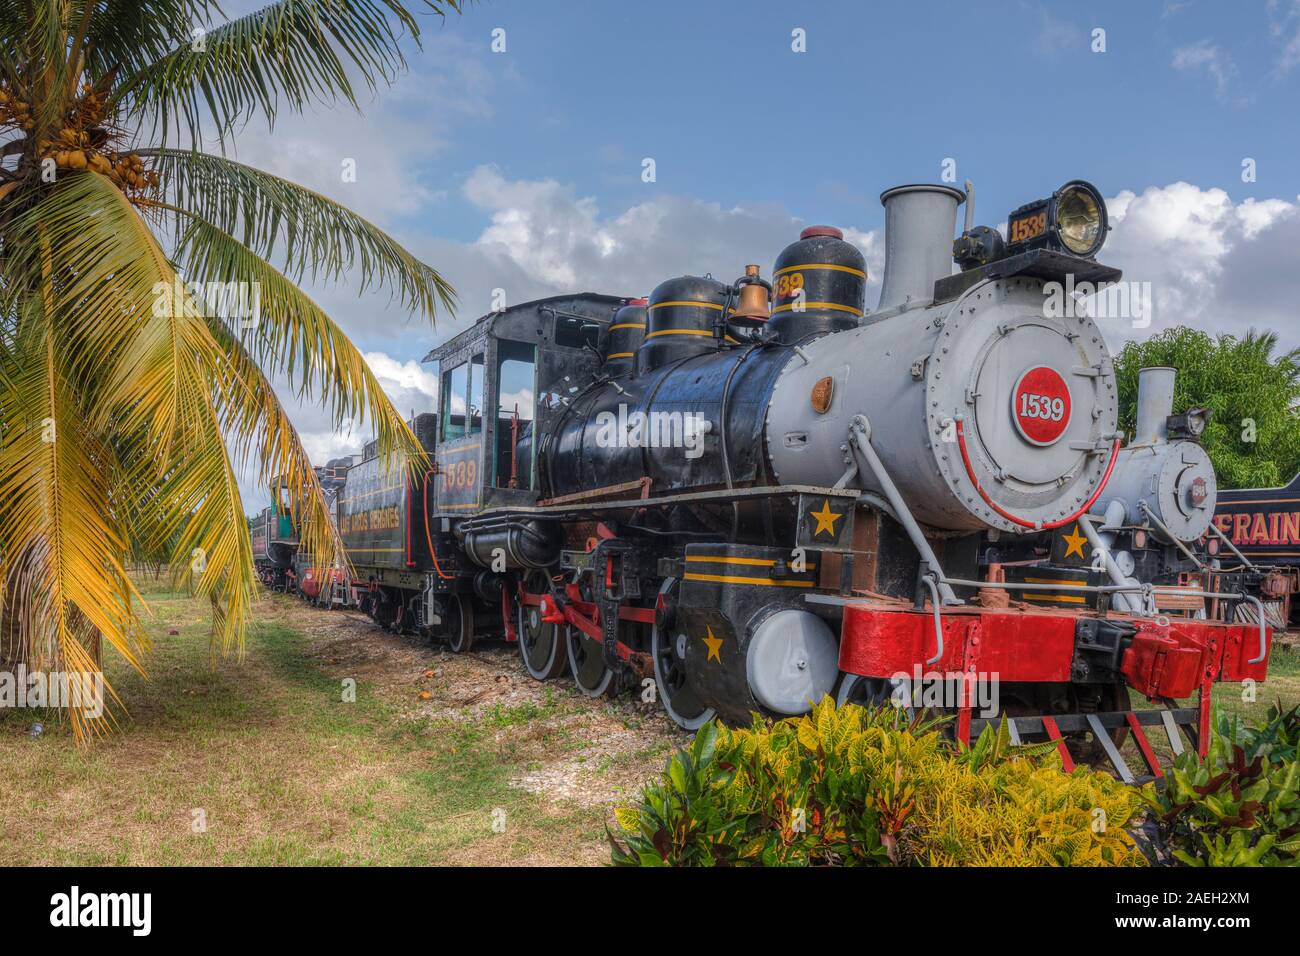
865	787
1239	806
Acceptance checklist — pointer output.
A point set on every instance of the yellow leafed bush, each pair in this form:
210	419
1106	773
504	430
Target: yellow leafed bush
866	787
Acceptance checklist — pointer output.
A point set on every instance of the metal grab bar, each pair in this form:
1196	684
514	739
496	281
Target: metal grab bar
860	442
1146	510
933	585
1263	642
1108	562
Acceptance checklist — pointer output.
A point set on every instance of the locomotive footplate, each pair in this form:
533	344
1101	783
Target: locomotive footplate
839	499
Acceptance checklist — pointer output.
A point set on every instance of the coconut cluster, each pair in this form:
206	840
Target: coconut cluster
72	150
80	143
15	112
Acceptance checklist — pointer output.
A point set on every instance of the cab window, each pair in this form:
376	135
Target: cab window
575	333
515	401
455	400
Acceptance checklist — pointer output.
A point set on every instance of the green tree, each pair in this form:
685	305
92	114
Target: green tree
128	401
1254	434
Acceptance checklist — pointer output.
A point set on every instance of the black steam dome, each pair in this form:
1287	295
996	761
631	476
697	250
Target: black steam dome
683	316
819	284
626	333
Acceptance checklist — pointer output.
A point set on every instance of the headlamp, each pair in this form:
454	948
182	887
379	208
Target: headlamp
1072	220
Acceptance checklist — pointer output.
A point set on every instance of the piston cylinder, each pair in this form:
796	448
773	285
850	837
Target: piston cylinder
516	542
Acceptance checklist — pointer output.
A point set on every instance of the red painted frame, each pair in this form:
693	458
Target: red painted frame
1037	646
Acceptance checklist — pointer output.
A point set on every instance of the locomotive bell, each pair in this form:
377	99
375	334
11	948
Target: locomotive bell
753	303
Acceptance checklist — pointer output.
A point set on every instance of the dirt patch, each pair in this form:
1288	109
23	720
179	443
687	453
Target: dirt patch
574	749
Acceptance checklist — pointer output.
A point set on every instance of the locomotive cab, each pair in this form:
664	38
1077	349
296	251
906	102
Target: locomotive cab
499	381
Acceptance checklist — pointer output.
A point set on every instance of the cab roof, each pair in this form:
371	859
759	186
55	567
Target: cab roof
485	324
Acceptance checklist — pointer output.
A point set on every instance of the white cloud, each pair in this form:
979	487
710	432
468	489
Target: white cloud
1213	262
1197	248
550	240
1284	27
1054	35
390	146
1208	58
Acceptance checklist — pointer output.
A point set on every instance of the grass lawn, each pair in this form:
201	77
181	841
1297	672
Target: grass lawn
262	762
1283	684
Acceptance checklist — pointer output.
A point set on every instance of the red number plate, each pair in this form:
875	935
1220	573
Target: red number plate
1040	405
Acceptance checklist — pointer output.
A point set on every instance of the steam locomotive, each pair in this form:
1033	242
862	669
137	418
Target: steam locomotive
740	497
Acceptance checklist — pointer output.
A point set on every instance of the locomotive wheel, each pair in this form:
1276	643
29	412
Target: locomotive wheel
587	663
541	643
668	648
458	624
866	691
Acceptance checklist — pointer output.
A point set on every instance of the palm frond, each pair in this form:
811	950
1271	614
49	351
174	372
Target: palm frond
256	422
63	544
295	51
306	232
147	365
293	336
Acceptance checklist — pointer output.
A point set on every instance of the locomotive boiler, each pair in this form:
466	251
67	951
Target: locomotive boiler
742	496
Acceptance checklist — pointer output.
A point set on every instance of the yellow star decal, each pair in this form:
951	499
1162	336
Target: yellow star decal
825	519
714	644
1074	543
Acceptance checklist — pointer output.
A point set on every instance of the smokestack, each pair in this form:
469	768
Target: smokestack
919	224
1155	404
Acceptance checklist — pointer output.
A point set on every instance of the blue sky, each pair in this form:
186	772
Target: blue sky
521	170
884	92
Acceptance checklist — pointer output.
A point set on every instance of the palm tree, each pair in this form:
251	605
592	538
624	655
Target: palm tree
128	400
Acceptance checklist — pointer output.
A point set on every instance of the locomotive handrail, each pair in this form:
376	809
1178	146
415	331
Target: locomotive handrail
427	536
1146	510
1232	547
932	584
860	439
1016	519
